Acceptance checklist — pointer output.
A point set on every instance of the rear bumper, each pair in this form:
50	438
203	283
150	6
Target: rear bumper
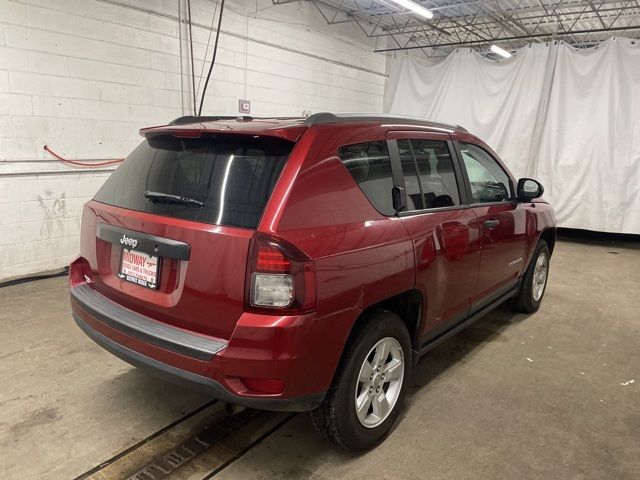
205	363
195	381
143	328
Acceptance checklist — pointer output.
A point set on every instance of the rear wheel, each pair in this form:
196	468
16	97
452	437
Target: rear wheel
369	387
534	281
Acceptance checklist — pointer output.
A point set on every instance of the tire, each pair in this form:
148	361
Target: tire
337	418
530	296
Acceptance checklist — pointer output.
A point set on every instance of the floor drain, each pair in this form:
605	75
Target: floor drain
163	467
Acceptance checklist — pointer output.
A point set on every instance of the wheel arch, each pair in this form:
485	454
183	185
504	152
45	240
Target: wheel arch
407	305
549	235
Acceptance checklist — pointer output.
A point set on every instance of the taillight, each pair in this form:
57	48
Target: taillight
271	259
279	276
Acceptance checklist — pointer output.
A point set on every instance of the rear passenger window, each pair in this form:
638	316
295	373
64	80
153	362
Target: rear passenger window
370	166
430	181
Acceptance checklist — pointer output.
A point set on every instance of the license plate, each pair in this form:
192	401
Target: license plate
139	268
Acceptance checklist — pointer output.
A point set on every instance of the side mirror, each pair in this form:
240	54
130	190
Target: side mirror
528	189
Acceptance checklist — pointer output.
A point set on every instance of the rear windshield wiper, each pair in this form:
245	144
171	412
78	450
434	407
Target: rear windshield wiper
169	198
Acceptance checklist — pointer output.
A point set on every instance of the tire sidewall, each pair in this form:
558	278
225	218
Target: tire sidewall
386	324
533	304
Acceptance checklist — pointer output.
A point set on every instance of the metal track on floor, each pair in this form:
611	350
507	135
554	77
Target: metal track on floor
163	466
198	445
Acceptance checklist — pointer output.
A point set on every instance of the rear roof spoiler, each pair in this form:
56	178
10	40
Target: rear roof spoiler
189	129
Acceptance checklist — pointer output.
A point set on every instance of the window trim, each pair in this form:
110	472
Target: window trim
411	213
418	174
398	174
467	182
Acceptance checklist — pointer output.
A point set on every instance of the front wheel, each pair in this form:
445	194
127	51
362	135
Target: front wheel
534	281
369	387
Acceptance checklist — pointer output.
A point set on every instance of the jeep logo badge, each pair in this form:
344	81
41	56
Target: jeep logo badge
128	241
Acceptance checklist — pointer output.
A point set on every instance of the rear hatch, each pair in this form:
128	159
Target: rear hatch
168	233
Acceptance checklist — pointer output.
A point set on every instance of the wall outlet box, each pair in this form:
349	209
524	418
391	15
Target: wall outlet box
244	106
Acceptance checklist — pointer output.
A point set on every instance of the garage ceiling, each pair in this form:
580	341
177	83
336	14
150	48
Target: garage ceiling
478	24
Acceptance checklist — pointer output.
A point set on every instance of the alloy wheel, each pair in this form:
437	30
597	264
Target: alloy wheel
379	382
540	276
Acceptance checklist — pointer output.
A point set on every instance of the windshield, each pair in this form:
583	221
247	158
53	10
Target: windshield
222	180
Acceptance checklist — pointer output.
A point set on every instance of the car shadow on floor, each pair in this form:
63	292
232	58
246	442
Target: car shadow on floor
454	350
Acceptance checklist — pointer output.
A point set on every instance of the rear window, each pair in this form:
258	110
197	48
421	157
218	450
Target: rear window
222	180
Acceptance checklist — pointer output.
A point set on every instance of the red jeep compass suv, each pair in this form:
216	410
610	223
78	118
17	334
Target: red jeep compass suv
305	264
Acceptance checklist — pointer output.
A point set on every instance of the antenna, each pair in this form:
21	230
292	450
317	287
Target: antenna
193	74
213	59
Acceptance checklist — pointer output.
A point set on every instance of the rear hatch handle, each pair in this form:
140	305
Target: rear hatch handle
143	242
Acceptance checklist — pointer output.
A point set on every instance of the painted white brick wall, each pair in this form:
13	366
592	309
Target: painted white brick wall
83	76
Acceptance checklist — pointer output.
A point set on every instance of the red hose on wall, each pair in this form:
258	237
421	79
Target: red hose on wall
82	164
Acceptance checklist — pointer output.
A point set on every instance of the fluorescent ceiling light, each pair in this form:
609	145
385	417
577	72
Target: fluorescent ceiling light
414	7
499	51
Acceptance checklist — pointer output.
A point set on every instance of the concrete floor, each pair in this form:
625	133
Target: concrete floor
553	395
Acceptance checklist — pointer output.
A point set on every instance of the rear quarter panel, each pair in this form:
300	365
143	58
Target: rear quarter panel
362	257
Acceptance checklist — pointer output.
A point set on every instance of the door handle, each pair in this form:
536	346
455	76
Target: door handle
490	224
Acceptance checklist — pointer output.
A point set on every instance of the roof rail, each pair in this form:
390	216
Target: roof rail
196	119
323	118
327	117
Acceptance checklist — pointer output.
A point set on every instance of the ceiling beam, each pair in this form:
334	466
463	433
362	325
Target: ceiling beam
517	37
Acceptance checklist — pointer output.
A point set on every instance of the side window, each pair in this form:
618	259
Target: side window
430	181
489	182
370	166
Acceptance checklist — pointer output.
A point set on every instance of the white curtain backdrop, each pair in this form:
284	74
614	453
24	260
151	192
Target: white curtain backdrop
567	117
